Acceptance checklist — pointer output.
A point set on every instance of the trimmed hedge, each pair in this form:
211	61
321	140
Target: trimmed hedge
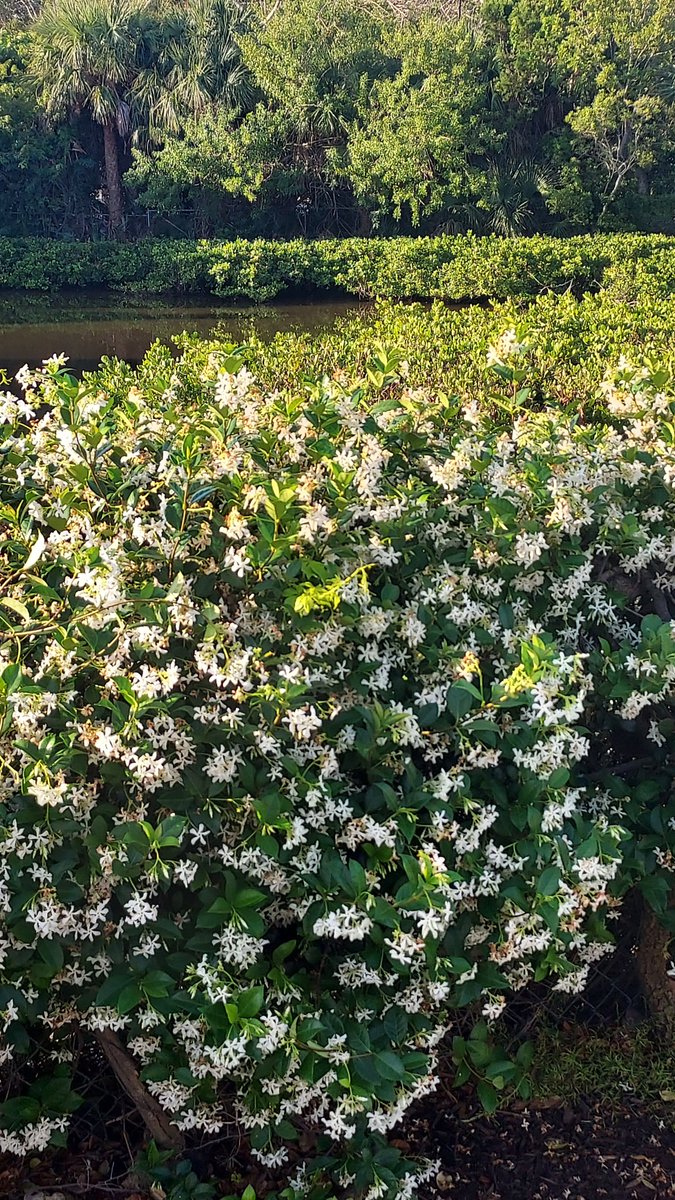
450	268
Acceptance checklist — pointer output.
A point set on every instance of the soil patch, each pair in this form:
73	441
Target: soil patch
541	1151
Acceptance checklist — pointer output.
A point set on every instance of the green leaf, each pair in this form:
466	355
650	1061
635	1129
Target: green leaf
51	953
128	998
656	891
505	613
395	1024
459	701
488	1096
503	1067
250	1002
389	1065
157	983
549	882
16	606
525	1055
248	898
11	677
462	1074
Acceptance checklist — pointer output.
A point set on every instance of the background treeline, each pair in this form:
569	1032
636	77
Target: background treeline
336	117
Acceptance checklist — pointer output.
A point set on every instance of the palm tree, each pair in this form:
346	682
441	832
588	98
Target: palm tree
200	62
87	57
514	191
135	69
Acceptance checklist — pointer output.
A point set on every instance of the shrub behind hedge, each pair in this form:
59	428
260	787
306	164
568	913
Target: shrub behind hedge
565	346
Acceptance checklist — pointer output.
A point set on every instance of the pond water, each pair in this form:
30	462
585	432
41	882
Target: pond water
87	326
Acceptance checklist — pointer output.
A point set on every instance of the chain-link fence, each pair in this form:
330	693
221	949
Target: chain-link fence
612	995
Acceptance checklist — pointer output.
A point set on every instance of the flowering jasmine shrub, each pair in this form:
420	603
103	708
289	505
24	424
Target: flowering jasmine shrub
320	713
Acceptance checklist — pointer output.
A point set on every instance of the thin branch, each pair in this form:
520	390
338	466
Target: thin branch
634	764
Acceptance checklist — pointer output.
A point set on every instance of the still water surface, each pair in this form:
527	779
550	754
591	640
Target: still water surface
88	326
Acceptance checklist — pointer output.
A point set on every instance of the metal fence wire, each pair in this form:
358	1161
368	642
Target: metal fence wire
613	994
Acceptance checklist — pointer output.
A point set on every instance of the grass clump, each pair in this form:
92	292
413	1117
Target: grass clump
613	1064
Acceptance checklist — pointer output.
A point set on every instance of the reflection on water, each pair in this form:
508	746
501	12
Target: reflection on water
88	326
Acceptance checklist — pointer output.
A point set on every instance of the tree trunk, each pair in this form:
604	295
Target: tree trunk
157	1121
113	181
653	957
624	163
365	223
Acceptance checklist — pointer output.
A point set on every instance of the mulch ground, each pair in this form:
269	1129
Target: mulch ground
554	1153
544	1151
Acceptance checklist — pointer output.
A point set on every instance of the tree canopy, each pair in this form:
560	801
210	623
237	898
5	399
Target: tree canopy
303	117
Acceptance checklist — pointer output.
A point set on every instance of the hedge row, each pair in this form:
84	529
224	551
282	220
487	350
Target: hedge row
452	268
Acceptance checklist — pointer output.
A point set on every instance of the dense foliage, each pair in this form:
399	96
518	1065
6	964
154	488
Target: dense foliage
303	118
47	175
566	344
134	71
451	267
321	711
